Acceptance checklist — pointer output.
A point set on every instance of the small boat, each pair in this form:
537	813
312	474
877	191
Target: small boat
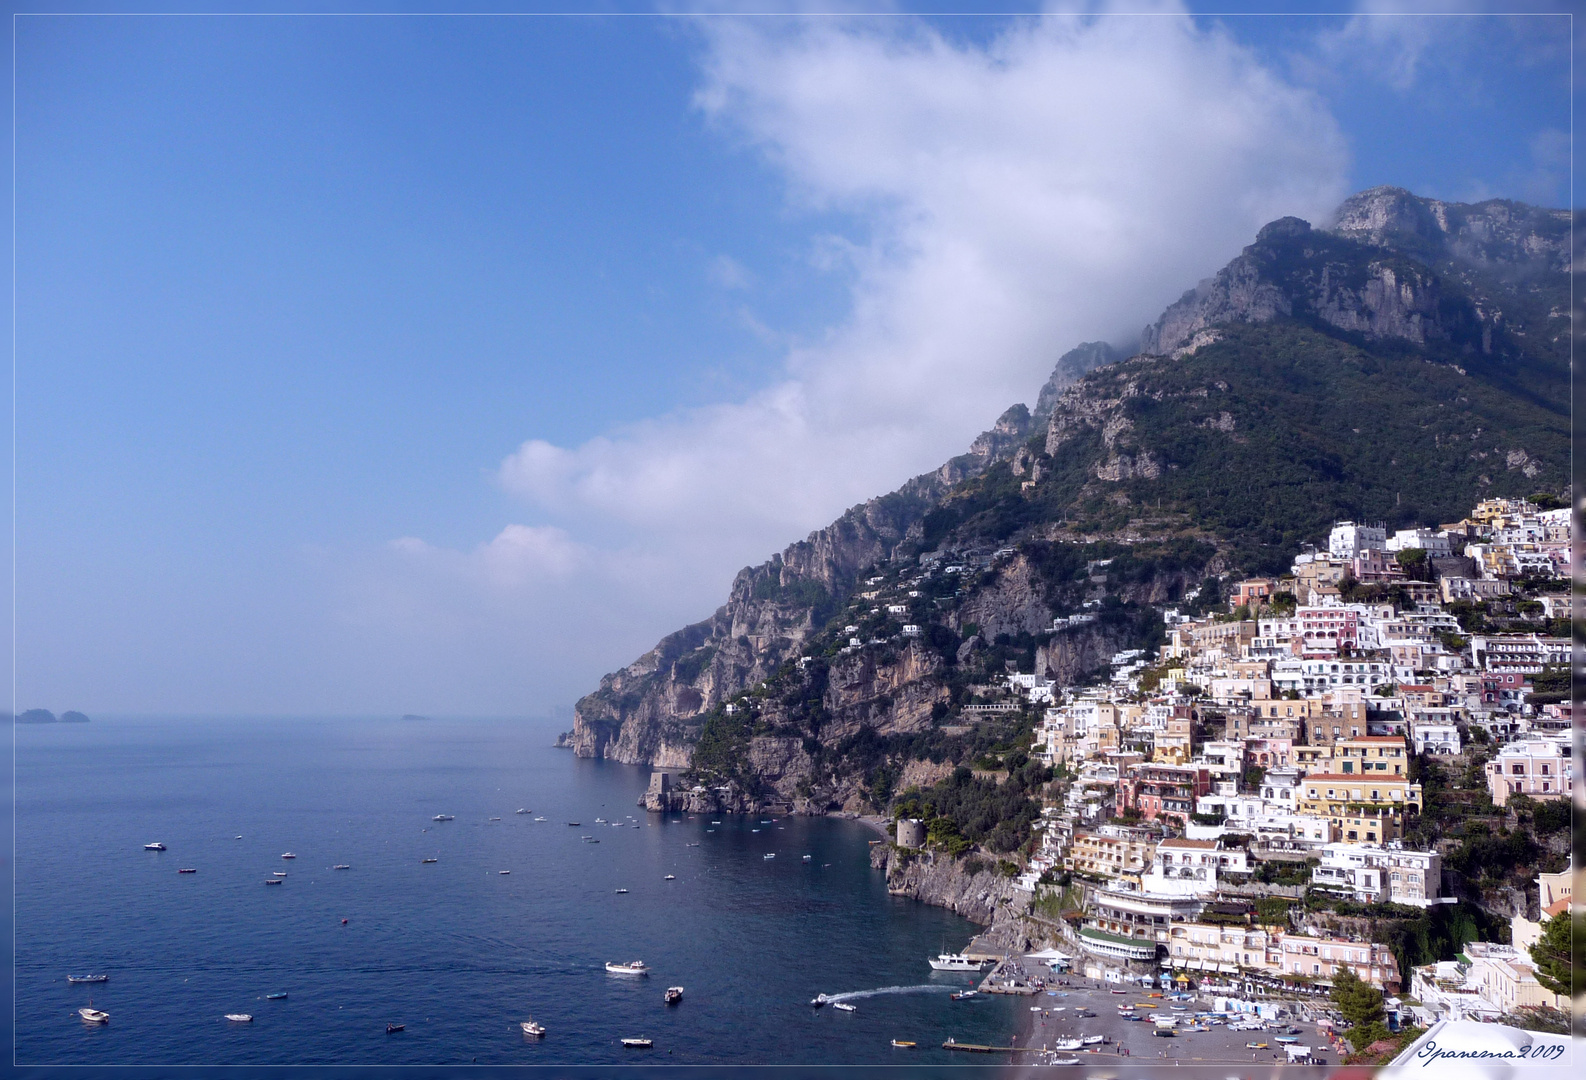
288	855
1286	1039
503	871
770	855
274	881
523	811
715	823
1063	1061
673	995
1126	1008
670	877
696	842
572	823
1256	1046
278	873
92	1015
444	817
87	978
540	819
806	858
392	1029
960	995
529	1026
240	1018
1120	991
1145	1005
275	997
844	1006
903	1043
188	870
429	860
632	967
600	821
1093	1040
622	890
341	866
154	847
591	840
637	1044
1067	1044
818	1000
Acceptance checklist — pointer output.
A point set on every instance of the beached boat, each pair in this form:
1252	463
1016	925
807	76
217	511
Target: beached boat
957	962
903	1043
1063	1061
1120	991
673	995
188	870
87	978
240	1018
154	847
637	1044
632	967
1094	1040
1067	1044
275	997
531	1028
92	1015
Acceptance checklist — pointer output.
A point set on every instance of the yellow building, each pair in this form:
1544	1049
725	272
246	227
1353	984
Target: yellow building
1364	809
1109	857
1371	755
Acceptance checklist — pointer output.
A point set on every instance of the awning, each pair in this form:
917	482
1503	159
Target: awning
1177	961
1181	978
1228	969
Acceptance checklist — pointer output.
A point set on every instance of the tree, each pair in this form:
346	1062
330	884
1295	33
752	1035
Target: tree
1360	1002
1560	955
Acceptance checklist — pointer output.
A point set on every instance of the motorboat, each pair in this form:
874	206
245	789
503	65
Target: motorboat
529	1026
92	1015
274	881
673	995
341	866
904	1044
392	1029
503	871
429	860
844	1006
495	819
637	1044
1093	1040
288	855
1063	1061
696	842
960	995
806	858
87	978
1120	991
444	817
770	855
1126	1008
541	819
622	890
154	847
188	870
573	823
240	1018
278	873
632	967
1067	1044
670	877
275	997
600	821
818	1000
523	811
958	962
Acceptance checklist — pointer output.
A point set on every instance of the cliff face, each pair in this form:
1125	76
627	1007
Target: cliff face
1392	367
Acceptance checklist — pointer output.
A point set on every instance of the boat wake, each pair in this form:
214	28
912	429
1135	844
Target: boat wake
857	995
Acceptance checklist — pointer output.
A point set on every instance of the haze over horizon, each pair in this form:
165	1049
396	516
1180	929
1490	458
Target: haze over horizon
424	365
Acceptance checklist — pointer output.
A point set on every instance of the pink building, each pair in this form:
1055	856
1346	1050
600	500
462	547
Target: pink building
1324	629
1322	958
1540	768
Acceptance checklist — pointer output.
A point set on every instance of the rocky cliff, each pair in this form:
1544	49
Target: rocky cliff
1393	367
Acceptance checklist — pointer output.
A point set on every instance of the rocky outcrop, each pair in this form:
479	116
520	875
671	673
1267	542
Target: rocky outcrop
1070	366
969	886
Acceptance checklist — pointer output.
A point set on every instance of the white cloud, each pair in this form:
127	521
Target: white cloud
729	273
1062	182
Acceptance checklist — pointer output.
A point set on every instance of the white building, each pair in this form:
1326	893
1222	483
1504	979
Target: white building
1434	738
1434	542
1349	539
1190	867
1368	873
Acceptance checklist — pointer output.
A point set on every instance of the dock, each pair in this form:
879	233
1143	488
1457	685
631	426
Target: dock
1007	977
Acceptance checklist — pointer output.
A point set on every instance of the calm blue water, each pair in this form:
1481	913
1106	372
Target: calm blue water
455	950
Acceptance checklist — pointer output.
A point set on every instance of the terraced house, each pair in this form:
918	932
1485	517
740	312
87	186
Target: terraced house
1361	808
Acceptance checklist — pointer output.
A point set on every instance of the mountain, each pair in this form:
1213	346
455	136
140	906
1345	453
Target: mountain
1399	365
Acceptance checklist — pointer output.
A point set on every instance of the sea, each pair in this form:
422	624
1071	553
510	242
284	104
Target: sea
515	919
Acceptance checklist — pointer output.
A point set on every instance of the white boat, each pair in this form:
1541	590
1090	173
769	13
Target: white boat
1094	1040
240	1018
92	1015
958	962
288	855
632	967
531	1028
1067	1044
274	881
637	1044
429	860
622	890
278	873
670	877
962	994
503	871
523	811
1063	1061
806	858
600	821
444	817
87	978
154	847
495	819
770	854
540	819
341	866
673	995
844	1006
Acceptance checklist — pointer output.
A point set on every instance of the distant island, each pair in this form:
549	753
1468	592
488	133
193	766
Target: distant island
44	716
413	716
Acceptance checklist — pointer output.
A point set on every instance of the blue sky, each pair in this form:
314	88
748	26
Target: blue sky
391	364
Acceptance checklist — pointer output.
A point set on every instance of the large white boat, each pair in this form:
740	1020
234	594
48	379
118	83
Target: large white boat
534	1029
92	1015
633	967
958	962
240	1018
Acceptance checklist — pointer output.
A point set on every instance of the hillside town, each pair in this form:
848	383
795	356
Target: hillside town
1235	813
